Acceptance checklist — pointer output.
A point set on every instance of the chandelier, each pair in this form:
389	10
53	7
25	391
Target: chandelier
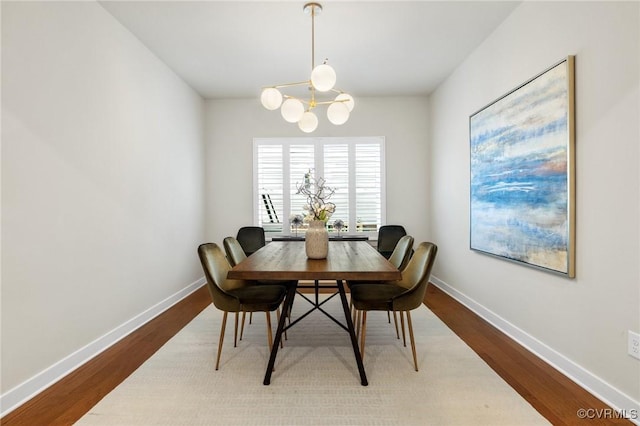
295	109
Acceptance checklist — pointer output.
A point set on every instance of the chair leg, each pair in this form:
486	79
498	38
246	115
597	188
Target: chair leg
413	342
278	320
395	322
290	309
364	333
235	331
358	322
221	339
244	314
250	317
389	317
269	335
404	337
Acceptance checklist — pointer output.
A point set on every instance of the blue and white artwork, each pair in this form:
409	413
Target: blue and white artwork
520	180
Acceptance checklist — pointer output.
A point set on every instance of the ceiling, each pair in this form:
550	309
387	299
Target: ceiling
231	49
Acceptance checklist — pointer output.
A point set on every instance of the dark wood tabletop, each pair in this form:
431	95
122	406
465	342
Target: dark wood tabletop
347	260
342	237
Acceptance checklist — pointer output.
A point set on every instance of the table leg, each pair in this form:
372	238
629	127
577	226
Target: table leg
352	333
291	293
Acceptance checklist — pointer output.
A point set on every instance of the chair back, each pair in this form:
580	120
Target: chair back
251	239
402	253
216	267
415	278
235	253
388	237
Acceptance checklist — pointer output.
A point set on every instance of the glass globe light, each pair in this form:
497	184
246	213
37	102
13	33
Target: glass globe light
323	78
338	113
292	110
347	100
271	98
308	123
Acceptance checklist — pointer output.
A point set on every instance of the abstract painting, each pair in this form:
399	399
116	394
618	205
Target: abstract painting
523	174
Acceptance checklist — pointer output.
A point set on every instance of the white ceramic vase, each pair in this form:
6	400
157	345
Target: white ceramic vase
316	240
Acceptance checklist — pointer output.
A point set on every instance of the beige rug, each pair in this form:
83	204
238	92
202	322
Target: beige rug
316	380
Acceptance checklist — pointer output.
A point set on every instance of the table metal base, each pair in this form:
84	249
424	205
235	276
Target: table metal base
317	305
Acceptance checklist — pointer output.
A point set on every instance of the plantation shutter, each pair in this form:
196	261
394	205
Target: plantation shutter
270	187
354	167
301	160
368	185
336	173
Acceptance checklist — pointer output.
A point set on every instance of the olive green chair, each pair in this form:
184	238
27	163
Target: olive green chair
401	296
400	259
251	239
236	295
388	237
236	254
233	249
402	252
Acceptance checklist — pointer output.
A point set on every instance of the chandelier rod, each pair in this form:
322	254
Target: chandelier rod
313	36
312	102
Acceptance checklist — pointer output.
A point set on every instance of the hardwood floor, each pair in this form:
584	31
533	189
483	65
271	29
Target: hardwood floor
554	396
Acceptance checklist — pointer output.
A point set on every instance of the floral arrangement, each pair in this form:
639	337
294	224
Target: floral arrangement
296	220
317	193
338	225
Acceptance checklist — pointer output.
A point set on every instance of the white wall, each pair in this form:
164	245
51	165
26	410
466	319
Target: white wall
231	126
102	185
581	324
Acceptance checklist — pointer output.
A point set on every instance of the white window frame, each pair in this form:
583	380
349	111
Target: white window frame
318	143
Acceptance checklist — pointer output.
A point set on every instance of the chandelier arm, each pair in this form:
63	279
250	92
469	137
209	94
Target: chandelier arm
332	102
279	86
298	99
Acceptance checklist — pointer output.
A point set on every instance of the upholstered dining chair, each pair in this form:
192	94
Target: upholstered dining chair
236	295
404	295
400	259
401	253
233	249
251	239
388	237
235	255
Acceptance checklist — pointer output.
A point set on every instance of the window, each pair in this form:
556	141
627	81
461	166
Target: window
354	166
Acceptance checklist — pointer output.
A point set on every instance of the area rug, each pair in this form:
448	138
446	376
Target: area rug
315	381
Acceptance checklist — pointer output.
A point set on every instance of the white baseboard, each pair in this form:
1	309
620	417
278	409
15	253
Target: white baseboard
602	390
20	394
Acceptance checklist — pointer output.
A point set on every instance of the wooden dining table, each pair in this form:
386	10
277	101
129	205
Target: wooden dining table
287	260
